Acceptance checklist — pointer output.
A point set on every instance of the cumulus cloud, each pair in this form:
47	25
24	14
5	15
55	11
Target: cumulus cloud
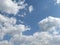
39	38
50	23
8	25
43	37
49	34
10	7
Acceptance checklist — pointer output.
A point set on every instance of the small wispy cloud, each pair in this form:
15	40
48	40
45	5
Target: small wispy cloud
30	8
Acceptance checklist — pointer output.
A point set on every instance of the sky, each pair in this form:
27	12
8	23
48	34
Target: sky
29	22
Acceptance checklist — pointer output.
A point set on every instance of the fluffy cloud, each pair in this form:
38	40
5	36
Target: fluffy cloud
48	36
50	23
8	25
10	7
41	38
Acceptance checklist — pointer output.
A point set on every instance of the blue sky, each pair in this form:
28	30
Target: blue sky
29	22
42	9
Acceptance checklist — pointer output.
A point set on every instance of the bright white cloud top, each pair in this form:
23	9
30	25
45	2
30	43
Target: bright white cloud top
10	7
57	1
49	34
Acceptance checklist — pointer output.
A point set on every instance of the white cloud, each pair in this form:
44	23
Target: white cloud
30	8
50	23
49	34
8	25
57	1
5	43
45	37
41	38
10	7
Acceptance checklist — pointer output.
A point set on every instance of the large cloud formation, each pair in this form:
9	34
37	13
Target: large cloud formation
9	26
49	35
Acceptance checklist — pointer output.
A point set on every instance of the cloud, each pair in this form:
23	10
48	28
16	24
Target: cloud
58	1
30	8
10	7
50	23
48	36
8	25
41	38
5	43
